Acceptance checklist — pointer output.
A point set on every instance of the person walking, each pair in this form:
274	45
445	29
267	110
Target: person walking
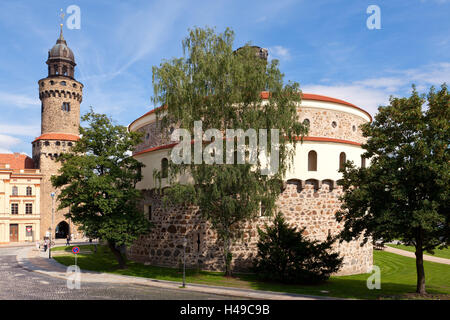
45	245
68	240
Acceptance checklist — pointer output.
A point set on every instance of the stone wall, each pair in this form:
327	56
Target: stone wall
321	124
53	91
153	136
301	204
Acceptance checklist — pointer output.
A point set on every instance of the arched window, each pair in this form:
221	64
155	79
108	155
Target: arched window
342	160
312	161
15	191
29	191
164	168
363	162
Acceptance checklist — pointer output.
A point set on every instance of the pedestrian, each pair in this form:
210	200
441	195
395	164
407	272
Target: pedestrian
45	245
68	240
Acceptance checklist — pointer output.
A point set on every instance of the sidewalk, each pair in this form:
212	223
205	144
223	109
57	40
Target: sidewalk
36	261
412	255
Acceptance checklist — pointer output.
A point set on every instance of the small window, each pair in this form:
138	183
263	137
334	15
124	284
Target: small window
74	85
63	83
342	160
47	143
312	161
28	208
363	162
354	128
15	191
29	191
14	208
164	168
52	82
148	212
57	143
306	122
65	106
147	136
334	124
262	210
69	144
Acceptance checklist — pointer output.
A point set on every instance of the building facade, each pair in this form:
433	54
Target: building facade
309	198
19	199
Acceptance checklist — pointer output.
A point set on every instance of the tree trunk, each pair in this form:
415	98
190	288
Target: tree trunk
419	266
228	257
117	254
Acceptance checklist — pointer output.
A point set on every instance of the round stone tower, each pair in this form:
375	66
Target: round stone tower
60	96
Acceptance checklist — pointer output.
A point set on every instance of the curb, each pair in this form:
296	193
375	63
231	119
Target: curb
224	291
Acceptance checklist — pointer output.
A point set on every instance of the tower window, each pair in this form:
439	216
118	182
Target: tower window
363	162
69	144
306	122
63	83
57	143
312	161
65	106
334	124
164	168
342	160
47	143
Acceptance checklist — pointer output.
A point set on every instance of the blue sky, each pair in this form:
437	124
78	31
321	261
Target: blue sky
324	45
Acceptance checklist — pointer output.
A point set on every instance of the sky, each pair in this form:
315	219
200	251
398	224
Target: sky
325	45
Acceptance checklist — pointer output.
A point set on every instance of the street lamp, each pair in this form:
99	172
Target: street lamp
184	262
51	227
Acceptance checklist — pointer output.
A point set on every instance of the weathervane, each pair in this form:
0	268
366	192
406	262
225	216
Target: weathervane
62	15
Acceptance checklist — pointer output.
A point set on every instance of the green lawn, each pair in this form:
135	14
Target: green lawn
441	253
398	276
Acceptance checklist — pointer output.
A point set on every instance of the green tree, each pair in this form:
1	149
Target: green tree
404	193
97	181
285	255
222	88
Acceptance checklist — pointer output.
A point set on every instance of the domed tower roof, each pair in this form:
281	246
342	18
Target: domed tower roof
60	50
61	60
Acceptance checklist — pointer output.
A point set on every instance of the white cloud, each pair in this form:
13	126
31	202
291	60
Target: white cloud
367	98
370	93
18	100
20	130
6	142
279	52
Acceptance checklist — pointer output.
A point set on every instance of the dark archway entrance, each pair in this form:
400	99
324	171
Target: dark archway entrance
62	230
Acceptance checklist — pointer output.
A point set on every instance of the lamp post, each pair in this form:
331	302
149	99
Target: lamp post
184	262
51	227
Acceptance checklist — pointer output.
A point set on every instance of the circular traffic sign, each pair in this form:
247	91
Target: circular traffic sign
76	250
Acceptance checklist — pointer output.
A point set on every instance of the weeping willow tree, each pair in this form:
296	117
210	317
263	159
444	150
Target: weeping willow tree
222	87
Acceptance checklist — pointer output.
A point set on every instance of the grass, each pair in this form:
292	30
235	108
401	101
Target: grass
441	253
398	276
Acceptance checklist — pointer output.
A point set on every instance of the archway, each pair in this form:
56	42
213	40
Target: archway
62	230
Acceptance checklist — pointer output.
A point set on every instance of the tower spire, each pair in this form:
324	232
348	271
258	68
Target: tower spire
61	37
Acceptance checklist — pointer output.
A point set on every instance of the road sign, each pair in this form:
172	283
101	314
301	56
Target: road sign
76	250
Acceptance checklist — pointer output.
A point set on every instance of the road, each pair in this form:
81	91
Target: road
17	283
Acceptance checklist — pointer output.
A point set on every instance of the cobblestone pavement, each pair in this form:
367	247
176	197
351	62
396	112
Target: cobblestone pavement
19	283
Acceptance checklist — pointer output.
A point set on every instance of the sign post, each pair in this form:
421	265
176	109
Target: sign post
76	251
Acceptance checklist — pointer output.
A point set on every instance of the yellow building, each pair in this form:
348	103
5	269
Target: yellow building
19	199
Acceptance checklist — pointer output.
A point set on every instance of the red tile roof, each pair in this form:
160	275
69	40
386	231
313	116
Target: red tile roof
305	96
17	161
58	136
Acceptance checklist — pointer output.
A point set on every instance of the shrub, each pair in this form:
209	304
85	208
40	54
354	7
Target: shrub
285	255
